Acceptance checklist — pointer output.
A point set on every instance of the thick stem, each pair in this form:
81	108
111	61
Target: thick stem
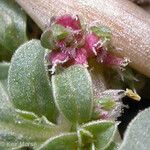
130	24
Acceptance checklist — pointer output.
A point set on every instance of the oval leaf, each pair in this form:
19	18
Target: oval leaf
137	136
28	82
12	25
15	131
103	132
73	95
66	141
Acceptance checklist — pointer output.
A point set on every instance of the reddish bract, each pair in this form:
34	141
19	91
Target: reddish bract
80	45
69	21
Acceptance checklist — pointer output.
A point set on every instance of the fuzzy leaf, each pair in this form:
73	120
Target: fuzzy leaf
4	70
28	82
15	131
103	132
12	25
67	141
72	90
137	136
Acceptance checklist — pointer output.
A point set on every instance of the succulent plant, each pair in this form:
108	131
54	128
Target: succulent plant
47	98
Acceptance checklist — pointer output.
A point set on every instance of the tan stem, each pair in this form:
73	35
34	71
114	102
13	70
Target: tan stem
130	24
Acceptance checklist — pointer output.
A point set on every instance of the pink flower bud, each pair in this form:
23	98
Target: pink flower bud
70	21
72	44
57	58
92	44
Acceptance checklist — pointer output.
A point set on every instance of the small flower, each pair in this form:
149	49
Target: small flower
58	58
81	57
92	44
110	106
112	60
70	44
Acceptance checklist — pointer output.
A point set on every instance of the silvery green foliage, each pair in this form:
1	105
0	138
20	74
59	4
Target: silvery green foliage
68	141
93	135
100	132
73	94
137	136
24	123
12	25
16	130
28	81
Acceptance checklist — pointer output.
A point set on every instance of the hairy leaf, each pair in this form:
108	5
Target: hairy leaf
72	90
103	132
28	82
137	136
16	131
67	141
12	25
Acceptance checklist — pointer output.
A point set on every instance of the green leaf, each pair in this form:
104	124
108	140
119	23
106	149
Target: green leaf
67	141
28	82
73	94
103	132
21	132
137	136
4	70
12	25
15	131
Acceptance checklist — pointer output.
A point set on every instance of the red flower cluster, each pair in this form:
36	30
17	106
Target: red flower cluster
71	44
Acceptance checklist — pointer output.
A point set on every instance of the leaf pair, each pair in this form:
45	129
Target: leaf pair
28	81
73	93
17	130
31	90
101	132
